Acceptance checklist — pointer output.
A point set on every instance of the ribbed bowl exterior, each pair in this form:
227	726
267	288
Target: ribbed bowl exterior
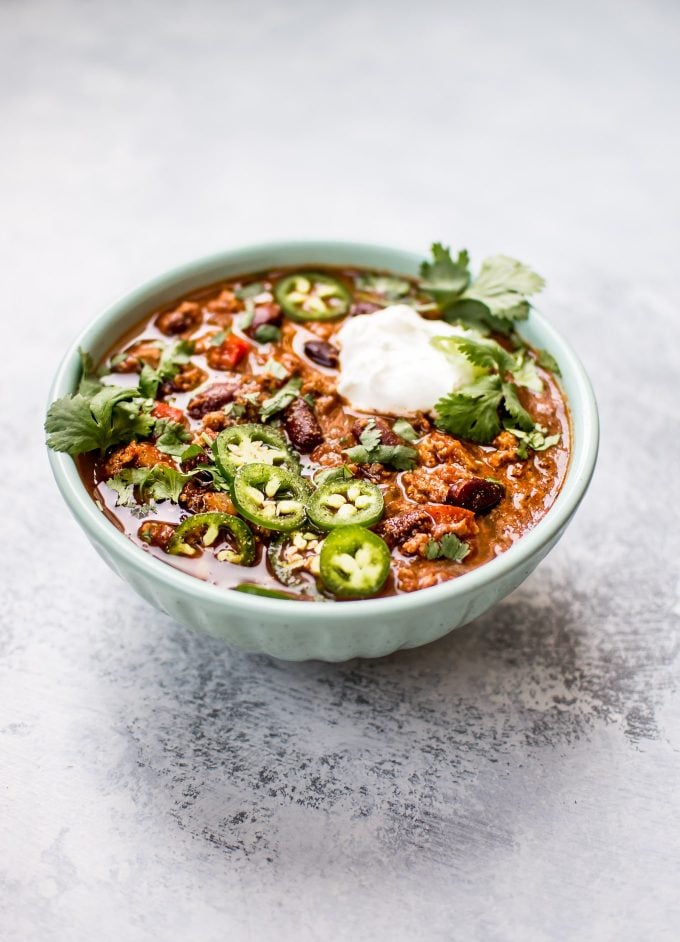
307	630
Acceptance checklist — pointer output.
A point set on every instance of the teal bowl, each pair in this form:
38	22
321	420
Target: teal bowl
303	630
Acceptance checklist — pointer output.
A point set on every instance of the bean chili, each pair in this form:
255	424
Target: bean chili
248	434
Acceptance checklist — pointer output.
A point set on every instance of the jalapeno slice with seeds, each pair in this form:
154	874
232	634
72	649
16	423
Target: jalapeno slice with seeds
355	562
312	296
251	444
291	554
345	503
201	531
273	498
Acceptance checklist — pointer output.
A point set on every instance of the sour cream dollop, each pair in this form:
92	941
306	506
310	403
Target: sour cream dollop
388	363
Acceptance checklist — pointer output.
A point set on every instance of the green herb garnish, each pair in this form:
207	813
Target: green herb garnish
495	300
173	358
405	430
371	451
280	400
97	417
536	440
267	333
173	438
449	547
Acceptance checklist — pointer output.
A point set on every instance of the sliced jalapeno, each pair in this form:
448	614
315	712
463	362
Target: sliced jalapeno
273	498
291	554
312	296
201	531
355	562
341	503
252	589
249	444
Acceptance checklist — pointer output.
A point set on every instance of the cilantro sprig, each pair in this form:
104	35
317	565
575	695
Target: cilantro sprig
496	299
449	547
281	399
479	410
372	451
173	358
98	416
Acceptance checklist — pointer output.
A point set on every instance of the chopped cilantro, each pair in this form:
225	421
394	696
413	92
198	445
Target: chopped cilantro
218	339
387	286
275	368
281	399
405	430
172	439
246	319
249	291
548	362
113	415
535	438
371	451
160	482
267	333
326	475
449	547
173	358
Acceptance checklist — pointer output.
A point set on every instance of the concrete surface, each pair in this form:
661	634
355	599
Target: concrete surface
516	781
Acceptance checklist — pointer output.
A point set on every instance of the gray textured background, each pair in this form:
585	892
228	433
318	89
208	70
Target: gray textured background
519	779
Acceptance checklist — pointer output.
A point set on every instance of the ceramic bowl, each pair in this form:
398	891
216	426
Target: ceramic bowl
302	630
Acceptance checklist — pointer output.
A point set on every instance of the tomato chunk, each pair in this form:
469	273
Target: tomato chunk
450	519
229	353
163	411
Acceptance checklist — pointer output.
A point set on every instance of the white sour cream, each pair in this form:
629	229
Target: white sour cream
387	363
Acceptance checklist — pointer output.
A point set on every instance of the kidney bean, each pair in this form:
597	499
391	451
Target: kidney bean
302	426
184	319
214	397
323	353
476	494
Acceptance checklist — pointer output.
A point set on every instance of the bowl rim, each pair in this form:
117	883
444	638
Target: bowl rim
579	471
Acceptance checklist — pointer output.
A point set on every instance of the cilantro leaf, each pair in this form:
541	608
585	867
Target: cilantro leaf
281	399
71	427
90	383
325	476
371	451
548	362
370	436
536	439
275	368
443	278
449	547
515	408
472	412
388	286
173	358
113	415
503	285
173	437
160	482
249	291
405	430
525	373
267	333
